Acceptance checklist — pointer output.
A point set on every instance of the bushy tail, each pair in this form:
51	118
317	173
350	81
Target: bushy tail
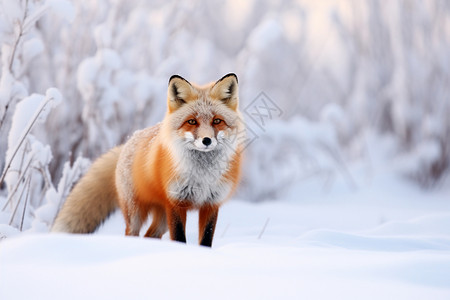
93	198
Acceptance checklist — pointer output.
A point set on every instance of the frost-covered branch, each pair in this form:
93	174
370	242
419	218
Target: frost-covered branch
22	138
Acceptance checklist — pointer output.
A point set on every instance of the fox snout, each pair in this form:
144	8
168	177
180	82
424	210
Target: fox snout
204	138
205	143
201	142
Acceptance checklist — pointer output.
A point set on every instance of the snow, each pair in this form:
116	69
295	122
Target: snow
144	268
33	48
63	8
264	36
392	243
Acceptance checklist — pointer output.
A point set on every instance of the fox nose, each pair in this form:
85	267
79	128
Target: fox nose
206	141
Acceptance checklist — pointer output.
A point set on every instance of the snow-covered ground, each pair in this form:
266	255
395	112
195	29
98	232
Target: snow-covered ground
387	241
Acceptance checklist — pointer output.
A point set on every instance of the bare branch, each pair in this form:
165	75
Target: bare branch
263	229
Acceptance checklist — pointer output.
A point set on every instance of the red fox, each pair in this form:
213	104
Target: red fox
191	160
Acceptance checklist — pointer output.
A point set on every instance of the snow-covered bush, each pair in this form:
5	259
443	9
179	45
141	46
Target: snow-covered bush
45	215
289	153
399	79
25	170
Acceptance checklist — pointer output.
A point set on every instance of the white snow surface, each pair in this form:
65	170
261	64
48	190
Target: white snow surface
389	241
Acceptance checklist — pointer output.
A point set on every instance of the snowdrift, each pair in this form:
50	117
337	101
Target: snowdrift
403	259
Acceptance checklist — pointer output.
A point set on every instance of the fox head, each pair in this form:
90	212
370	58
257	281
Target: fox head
204	118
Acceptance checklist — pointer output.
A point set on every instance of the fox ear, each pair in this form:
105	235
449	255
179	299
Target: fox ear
179	92
226	90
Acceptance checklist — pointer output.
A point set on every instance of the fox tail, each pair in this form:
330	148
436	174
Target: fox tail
93	198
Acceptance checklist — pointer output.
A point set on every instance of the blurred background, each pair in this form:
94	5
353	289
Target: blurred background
359	89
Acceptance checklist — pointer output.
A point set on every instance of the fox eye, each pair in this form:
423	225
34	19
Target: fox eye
217	121
192	122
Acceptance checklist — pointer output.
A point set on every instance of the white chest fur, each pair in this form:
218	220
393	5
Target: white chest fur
200	178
